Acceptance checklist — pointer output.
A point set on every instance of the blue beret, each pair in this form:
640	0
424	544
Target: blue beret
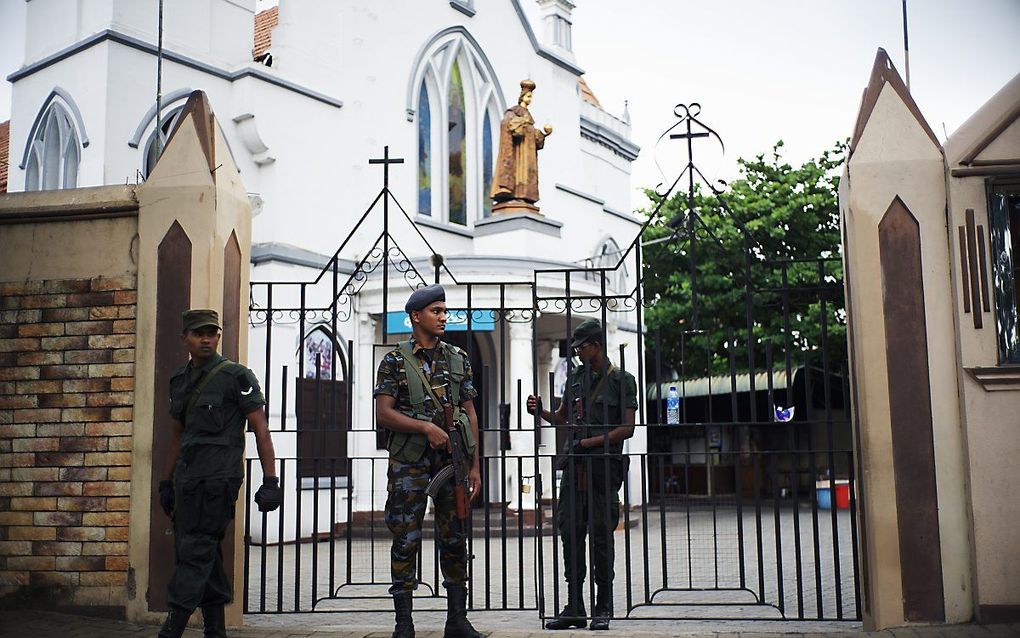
422	297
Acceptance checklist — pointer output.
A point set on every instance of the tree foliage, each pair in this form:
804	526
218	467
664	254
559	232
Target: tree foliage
772	237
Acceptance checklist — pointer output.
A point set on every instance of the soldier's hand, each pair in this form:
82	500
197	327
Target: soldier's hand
166	497
534	404
269	496
474	483
438	438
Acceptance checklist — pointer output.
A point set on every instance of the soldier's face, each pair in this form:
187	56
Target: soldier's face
432	319
202	342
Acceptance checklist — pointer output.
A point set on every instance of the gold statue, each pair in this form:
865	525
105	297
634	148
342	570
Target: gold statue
515	183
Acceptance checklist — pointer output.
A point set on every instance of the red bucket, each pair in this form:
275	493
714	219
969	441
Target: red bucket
843	494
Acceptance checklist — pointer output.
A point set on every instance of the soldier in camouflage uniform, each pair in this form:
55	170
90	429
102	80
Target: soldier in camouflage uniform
589	497
419	447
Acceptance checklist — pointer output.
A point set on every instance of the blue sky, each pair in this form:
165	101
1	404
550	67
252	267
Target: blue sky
763	70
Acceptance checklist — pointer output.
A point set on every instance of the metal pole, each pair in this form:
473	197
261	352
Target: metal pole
906	48
159	83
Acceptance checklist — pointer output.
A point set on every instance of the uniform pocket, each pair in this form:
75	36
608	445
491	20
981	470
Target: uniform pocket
208	415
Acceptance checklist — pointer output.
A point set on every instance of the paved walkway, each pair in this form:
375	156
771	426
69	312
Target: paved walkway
36	624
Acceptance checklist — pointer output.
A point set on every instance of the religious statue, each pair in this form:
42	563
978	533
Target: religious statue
515	183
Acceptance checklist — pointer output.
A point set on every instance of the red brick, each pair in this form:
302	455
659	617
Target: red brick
58	519
19	345
104	312
115	533
64	372
59	459
41	330
64	314
86	414
33	503
12	288
65	285
90	327
118	504
62	400
104	549
32	533
120	443
39	358
31	563
102	579
88	356
84	444
125	355
119	428
18	401
38	415
58	489
92	299
15	518
124	282
107	519
110	399
34	474
83	534
44	301
122	384
125	297
10	303
112	341
112	370
120	473
60	429
121	414
81	503
87	385
17	459
19	373
83	473
45	444
117	563
108	488
126	312
39	387
107	458
124	326
15	548
15	489
65	343
81	563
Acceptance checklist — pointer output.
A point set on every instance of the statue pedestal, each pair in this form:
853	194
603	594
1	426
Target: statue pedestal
513	206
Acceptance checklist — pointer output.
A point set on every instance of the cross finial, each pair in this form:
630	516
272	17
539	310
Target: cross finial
386	160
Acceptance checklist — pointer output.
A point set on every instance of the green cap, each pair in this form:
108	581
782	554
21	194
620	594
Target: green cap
199	317
588	330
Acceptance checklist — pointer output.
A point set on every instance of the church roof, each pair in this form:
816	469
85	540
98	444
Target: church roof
265	21
5	139
586	93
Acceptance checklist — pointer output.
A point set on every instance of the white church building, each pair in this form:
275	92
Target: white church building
306	93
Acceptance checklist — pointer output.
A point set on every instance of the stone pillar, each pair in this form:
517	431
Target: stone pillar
522	442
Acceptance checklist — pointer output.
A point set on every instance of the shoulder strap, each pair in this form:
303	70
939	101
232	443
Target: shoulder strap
602	382
193	397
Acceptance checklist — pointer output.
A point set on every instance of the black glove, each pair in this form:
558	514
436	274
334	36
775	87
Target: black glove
166	497
269	496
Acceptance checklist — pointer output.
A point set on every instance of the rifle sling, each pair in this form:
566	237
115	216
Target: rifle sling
197	391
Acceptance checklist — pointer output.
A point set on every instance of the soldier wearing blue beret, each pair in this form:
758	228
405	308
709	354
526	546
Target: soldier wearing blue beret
413	381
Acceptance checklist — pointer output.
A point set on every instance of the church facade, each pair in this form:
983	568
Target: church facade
306	93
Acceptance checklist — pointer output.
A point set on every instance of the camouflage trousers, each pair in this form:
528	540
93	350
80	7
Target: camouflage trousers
405	510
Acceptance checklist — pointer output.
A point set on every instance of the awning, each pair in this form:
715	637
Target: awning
720	384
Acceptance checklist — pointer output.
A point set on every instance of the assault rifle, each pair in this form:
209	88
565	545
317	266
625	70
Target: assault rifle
458	467
572	446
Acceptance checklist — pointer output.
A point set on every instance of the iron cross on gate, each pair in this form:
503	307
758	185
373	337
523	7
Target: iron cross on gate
386	160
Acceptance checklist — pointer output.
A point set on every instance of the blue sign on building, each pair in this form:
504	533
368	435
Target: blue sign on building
456	321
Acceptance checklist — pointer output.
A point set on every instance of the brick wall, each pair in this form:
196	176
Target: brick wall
67	351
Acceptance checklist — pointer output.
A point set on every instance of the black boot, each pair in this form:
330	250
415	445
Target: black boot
573	614
603	610
215	623
457	625
403	603
175	623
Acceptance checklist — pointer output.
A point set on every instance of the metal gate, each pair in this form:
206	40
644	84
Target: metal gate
745	508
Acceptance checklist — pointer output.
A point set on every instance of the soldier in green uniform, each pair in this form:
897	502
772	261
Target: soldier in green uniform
412	382
211	398
606	401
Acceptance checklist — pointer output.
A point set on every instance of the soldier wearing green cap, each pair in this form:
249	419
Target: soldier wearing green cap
605	403
211	399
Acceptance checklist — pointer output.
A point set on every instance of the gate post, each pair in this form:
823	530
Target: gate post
916	558
193	250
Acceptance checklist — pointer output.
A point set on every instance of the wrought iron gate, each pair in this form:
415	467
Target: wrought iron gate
744	508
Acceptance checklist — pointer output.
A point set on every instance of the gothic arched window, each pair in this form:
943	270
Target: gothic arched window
456	103
152	150
53	154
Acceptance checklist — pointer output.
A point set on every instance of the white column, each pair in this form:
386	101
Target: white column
522	442
363	443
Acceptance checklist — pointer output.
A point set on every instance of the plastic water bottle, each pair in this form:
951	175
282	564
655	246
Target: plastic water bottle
673	406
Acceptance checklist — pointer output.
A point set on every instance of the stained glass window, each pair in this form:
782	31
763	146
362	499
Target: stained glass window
318	347
424	153
457	127
487	165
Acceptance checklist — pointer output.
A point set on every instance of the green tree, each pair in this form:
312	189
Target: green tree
771	236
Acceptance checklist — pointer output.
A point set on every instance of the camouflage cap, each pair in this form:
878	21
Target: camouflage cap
588	330
424	296
199	317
